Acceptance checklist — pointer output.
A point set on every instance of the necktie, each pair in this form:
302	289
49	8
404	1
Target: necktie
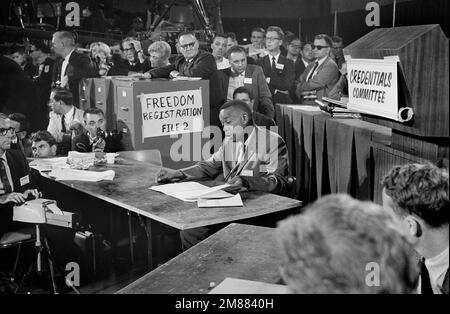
63	124
425	279
316	64
274	64
4	177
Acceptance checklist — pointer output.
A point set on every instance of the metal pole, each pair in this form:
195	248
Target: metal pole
335	23
393	13
300	28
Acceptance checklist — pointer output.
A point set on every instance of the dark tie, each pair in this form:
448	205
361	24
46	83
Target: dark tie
63	124
274	64
425	279
4	177
316	64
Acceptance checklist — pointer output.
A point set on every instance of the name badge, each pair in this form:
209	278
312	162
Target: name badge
268	80
247	173
280	66
47	68
24	180
247	80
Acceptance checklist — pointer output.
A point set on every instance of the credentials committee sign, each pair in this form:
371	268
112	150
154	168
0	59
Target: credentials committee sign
372	86
172	113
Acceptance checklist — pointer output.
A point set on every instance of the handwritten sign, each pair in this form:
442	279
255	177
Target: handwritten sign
372	86
172	113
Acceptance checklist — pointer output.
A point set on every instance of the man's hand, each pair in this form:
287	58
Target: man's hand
32	193
16	198
166	176
174	74
236	185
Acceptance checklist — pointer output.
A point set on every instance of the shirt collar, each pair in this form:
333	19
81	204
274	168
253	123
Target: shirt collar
321	60
3	156
69	114
276	57
68	56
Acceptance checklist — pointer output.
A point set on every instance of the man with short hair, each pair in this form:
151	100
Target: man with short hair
337	53
250	158
337	245
22	126
64	118
257	47
242	74
70	66
19	56
219	50
193	63
320	76
43	144
96	138
279	70
418	198
231	40
244	94
15	181
42	79
136	61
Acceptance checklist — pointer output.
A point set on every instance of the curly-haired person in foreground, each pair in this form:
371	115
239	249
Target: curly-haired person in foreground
342	245
417	196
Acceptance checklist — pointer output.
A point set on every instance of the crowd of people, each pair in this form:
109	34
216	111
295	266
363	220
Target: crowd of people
325	249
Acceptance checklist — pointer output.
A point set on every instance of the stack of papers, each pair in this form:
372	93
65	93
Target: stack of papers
48	164
240	286
82	175
196	192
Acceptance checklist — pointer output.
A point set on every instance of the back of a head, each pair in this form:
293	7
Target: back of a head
66	37
22	119
338	245
421	190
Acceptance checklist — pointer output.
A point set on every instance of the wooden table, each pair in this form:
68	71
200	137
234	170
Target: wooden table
130	190
238	251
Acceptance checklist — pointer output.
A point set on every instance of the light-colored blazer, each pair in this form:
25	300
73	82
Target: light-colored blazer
322	82
264	166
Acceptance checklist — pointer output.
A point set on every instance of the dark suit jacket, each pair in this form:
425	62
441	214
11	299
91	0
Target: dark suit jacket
261	93
79	67
113	144
299	69
43	82
325	79
280	79
203	65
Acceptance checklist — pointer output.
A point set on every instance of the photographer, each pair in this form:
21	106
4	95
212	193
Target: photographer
106	63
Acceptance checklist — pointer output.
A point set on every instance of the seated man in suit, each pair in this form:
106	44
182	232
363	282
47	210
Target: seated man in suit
43	144
279	70
418	199
70	66
337	244
15	183
250	158
95	138
64	118
320	76
136	61
242	74
244	94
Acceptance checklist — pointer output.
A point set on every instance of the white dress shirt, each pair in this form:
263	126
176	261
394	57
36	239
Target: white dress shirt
64	65
234	83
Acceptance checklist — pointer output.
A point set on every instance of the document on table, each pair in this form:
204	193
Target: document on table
48	164
233	201
240	286
305	108
82	175
191	191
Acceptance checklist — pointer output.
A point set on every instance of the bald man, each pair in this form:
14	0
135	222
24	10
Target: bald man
70	66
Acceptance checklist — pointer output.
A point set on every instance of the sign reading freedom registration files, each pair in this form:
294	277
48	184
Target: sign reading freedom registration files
172	113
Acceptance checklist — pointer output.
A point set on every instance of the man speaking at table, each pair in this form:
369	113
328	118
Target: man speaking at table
250	158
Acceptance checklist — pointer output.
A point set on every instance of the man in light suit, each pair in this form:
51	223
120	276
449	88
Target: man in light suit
279	70
64	118
250	159
70	66
320	76
251	76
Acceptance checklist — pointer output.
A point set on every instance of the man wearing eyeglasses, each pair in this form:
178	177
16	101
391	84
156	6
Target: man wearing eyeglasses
193	63
320	76
14	176
279	70
137	62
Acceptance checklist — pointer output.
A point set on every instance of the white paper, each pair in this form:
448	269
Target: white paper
189	191
82	175
306	108
234	201
186	78
240	286
48	164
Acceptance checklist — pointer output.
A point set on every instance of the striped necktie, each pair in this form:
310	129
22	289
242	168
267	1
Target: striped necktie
4	177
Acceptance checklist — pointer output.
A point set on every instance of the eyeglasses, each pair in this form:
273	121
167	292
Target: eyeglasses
128	49
318	47
189	45
4	131
272	38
